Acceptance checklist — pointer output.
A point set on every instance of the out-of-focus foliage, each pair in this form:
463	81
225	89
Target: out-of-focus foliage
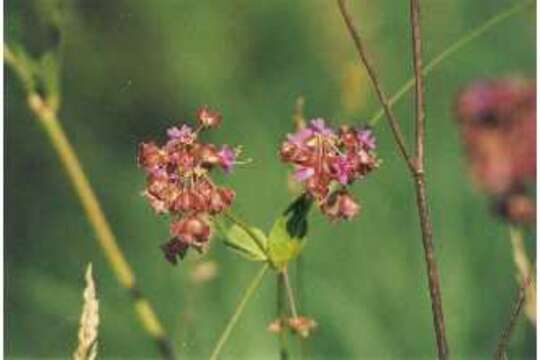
130	69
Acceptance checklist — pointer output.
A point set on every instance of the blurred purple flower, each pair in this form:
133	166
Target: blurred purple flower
366	139
227	158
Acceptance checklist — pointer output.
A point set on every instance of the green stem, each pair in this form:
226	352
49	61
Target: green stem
449	51
248	293
47	116
282	317
290	293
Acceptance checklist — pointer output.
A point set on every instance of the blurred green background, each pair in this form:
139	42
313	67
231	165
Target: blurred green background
133	68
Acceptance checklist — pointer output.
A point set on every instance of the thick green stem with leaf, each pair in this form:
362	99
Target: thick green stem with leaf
46	112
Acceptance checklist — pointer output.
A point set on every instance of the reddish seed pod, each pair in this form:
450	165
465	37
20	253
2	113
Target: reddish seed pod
150	155
340	205
192	229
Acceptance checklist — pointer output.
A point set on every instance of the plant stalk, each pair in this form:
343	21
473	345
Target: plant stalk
451	50
282	317
504	340
48	118
415	165
248	293
290	293
420	185
392	121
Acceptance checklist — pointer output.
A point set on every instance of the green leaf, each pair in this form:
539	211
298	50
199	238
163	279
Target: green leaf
282	247
242	242
50	76
297	212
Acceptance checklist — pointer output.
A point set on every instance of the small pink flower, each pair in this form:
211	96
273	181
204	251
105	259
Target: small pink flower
319	126
184	135
302	325
300	137
303	173
193	230
340	205
208	118
227	158
342	169
150	155
366	139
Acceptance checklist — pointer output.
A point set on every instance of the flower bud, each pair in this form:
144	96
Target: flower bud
149	155
184	202
173	249
184	135
340	205
193	230
220	200
517	208
209	155
302	325
159	206
208	118
227	158
276	326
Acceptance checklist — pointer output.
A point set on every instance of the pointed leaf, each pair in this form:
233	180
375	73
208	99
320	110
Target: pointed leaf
282	247
242	242
50	77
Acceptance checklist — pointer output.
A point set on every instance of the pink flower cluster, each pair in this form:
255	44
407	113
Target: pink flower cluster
179	183
497	120
326	161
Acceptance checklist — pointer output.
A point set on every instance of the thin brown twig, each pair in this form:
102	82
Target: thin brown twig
394	124
420	185
504	340
415	165
419	83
